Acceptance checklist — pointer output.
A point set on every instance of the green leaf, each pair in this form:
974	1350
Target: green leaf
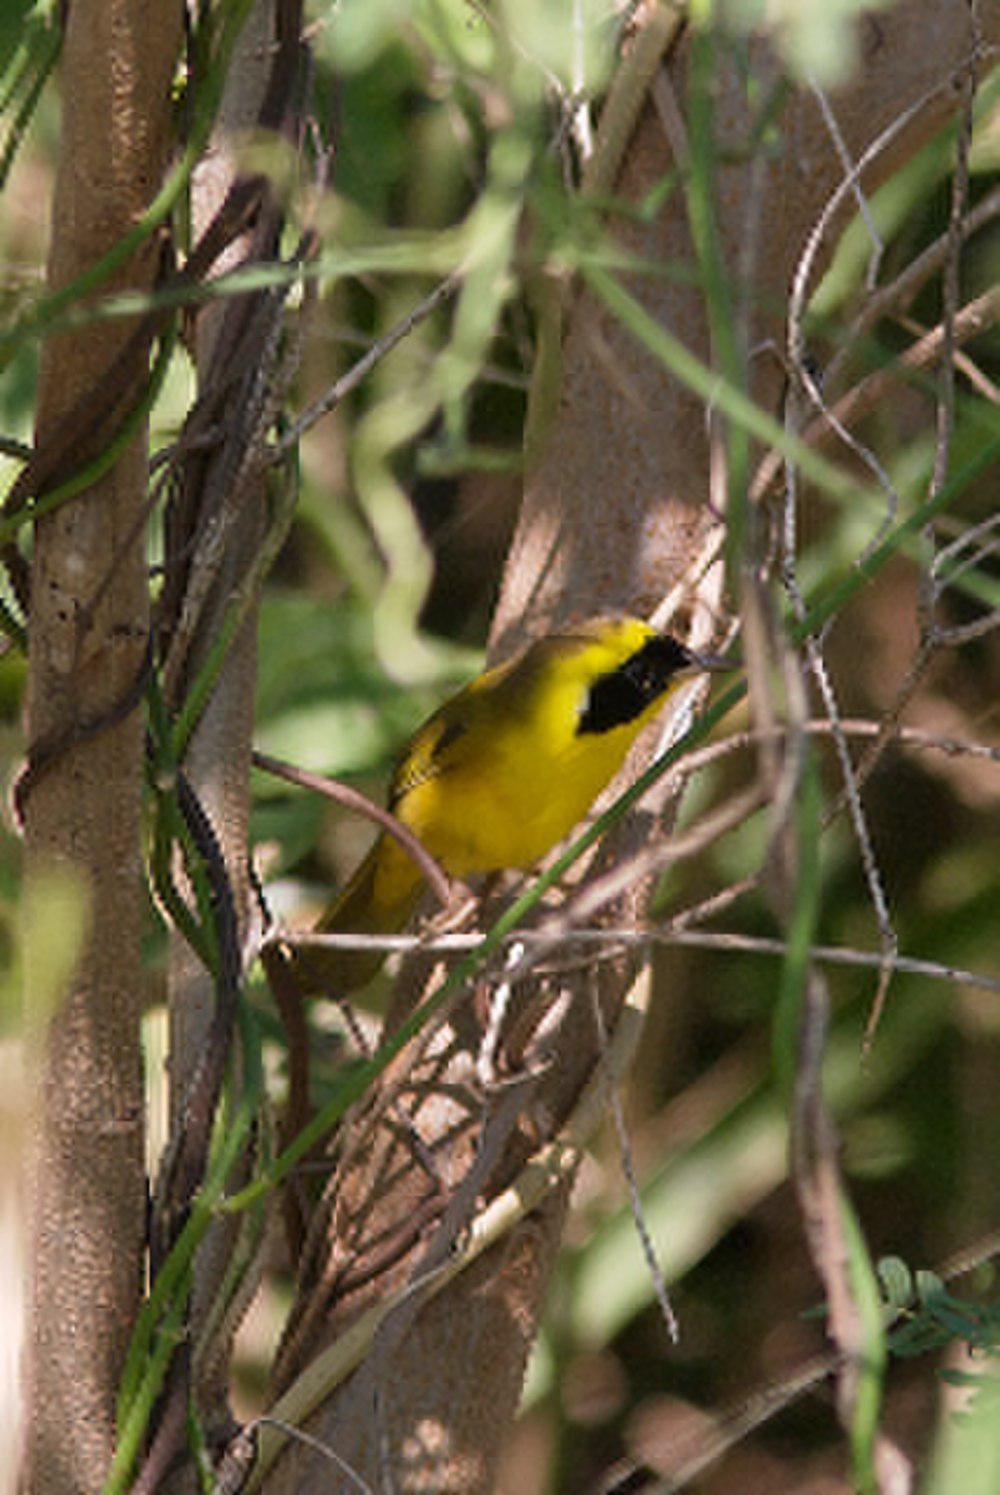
896	1281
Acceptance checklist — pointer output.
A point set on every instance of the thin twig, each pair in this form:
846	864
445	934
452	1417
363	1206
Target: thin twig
913	737
647	863
844	156
360	370
298	1435
805	267
971	320
614	1101
950	286
183	1167
353	799
814	654
804	271
901	291
647	935
861	399
873	877
833	955
43	755
213	498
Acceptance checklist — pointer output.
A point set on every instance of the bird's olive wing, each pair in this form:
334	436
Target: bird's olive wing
428	753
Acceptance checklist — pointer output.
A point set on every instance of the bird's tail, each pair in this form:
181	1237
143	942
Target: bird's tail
378	899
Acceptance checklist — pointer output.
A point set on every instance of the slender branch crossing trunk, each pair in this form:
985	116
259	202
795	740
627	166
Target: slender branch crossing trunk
218	760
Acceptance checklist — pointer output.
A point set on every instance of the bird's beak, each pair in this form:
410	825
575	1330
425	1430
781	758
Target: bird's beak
711	662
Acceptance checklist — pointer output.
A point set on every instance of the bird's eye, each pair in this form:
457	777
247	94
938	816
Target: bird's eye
646	678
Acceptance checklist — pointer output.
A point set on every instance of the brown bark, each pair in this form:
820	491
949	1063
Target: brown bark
87	644
613	515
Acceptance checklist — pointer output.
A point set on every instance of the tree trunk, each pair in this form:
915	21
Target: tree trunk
87	645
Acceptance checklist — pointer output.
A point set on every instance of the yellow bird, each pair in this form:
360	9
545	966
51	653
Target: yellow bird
505	769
